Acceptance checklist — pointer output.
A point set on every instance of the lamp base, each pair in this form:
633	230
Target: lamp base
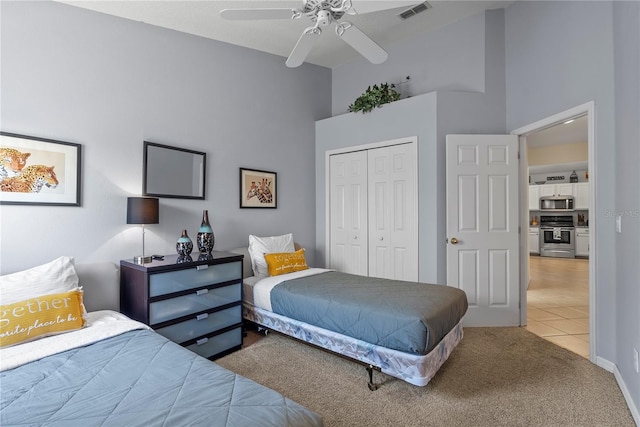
142	259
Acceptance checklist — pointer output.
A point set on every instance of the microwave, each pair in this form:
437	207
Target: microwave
556	203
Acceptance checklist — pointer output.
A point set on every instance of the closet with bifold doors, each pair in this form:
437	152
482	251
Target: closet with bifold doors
373	210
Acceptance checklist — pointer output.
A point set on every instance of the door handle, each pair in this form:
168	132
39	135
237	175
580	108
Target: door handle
454	241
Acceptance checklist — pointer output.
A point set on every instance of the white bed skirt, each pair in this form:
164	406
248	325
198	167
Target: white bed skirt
414	369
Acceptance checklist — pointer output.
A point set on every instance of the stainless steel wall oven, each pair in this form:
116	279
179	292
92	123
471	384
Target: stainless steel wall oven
557	236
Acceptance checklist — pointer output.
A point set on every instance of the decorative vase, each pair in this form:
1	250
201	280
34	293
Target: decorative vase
184	258
184	245
573	177
205	237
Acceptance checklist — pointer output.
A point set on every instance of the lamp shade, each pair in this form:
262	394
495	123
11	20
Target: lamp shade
142	210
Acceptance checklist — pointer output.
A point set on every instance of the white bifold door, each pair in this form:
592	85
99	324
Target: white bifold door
374	212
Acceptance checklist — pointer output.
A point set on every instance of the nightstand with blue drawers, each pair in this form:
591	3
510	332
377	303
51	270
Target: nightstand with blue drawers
196	303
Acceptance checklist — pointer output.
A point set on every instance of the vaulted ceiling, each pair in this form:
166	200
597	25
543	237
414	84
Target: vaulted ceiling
379	21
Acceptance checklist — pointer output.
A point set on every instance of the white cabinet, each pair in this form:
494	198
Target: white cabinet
534	197
560	189
581	194
579	190
534	240
582	241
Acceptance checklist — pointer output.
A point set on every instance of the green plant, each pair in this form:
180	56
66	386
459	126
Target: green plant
374	97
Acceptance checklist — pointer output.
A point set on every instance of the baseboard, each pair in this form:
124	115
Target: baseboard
611	367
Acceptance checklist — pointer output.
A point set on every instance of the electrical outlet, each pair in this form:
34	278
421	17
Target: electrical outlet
635	360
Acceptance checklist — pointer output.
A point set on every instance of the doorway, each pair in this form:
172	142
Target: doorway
570	270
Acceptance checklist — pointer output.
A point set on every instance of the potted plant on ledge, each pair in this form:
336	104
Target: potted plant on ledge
374	97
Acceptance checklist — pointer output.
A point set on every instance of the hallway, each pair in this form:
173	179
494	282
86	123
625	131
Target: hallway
558	302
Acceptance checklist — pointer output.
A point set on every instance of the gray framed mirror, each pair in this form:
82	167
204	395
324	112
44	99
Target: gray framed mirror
173	172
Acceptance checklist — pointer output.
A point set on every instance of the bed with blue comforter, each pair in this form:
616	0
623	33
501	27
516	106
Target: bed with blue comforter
117	372
405	329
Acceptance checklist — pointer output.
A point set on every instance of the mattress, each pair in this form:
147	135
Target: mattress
399	315
118	372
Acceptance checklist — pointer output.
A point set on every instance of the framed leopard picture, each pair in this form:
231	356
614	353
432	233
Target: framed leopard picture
39	171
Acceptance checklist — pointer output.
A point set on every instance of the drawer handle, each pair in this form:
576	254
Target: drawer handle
202	291
202	341
202	316
202	267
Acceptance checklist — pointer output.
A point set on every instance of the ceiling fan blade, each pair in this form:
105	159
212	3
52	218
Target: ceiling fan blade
303	47
361	42
255	14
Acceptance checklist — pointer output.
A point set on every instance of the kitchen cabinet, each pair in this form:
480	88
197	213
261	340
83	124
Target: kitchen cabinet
581	194
559	189
534	197
582	241
534	240
579	190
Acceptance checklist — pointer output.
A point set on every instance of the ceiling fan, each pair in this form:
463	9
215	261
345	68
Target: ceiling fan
322	13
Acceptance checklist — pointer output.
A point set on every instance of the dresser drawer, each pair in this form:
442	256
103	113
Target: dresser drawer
201	300
202	325
208	347
181	280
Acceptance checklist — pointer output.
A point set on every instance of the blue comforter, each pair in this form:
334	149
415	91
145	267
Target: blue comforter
139	378
405	316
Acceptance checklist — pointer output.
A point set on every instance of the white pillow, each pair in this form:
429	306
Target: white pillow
54	277
258	246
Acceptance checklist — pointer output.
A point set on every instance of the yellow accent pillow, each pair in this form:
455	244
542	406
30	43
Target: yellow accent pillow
40	317
285	262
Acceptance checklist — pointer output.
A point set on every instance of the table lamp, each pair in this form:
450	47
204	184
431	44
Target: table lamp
142	210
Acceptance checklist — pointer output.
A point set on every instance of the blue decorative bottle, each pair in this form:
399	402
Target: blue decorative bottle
184	245
205	237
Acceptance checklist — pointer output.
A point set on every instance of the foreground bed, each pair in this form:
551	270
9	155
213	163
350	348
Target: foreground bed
118	372
62	366
404	329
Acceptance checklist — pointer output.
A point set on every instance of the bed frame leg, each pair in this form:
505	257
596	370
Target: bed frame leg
370	384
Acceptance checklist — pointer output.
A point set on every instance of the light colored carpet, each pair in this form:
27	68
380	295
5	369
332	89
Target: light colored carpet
495	377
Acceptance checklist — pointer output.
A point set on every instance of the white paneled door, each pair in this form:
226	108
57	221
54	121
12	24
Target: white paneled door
482	226
373	212
393	230
348	210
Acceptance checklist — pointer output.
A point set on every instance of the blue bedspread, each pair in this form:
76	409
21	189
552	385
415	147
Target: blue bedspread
139	378
405	316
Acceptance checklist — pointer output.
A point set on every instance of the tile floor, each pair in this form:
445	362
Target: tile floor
558	302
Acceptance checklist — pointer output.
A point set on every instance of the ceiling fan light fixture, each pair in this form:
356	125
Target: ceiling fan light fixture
413	11
322	13
324	18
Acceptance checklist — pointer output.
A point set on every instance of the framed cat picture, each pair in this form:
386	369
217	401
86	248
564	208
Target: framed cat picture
39	171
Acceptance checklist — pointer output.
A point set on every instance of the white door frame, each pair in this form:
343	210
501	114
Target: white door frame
589	109
413	140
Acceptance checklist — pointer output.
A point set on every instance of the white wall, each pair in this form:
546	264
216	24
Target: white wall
559	55
429	117
427	59
563	54
626	16
415	116
109	84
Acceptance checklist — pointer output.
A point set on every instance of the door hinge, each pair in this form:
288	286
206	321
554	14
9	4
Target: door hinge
518	155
